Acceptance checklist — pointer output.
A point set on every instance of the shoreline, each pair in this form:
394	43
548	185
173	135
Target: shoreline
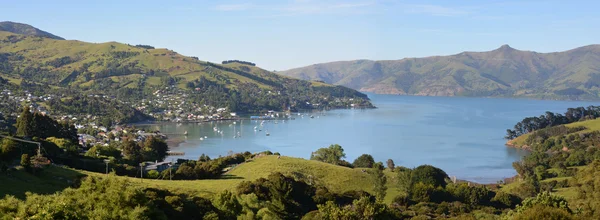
509	143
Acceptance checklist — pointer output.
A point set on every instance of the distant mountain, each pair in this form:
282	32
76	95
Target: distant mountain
26	29
135	73
504	72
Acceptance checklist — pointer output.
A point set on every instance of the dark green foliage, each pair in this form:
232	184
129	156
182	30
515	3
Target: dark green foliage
58	62
543	212
238	61
360	209
108	198
283	196
379	181
428	174
154	149
144	46
365	160
390	164
25	122
471	195
333	154
25	161
423	192
550	119
206	168
42	126
505	200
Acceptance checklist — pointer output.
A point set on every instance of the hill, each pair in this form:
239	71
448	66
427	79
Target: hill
336	178
588	126
26	29
149	78
503	72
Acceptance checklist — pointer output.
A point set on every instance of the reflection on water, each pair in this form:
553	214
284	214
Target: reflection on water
463	136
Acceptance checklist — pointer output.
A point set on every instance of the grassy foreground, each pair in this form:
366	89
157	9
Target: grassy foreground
336	178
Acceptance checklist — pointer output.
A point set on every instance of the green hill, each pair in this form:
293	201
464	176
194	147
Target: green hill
336	178
589	125
504	72
134	73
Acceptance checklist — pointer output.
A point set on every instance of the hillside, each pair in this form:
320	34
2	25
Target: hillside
26	29
138	74
588	125
336	178
503	72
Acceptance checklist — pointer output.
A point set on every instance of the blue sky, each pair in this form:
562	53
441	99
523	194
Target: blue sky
279	35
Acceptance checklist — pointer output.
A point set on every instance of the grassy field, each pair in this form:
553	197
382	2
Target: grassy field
50	180
336	178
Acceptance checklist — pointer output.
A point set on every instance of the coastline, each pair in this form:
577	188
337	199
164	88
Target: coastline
510	143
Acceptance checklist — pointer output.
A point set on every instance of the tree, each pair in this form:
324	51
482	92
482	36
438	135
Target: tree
333	154
428	174
132	151
379	181
24	123
390	164
364	160
155	149
8	150
26	161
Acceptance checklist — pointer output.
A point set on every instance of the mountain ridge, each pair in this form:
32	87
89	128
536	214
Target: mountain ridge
502	72
25	29
134	73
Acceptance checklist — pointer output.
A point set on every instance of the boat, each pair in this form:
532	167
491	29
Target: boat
185	133
267	133
312	116
201	139
205	137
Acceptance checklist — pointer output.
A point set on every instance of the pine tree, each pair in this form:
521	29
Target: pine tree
24	123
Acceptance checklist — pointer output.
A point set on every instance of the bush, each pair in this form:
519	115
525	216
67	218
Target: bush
472	195
153	174
422	192
428	174
505	200
364	161
543	212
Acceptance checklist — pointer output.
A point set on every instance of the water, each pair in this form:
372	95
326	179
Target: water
463	136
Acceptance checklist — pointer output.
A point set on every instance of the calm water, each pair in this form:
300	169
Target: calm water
463	136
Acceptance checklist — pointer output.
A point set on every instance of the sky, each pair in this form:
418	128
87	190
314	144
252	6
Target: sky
284	34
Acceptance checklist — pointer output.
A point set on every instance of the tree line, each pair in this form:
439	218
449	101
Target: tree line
550	119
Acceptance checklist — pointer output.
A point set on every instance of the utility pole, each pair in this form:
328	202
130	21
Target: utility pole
141	172
106	161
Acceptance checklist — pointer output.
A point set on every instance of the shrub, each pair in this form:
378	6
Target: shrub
365	161
505	200
428	174
153	174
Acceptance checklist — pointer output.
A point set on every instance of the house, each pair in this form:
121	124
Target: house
158	166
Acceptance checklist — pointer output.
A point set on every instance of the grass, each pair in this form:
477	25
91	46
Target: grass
97	56
335	178
50	180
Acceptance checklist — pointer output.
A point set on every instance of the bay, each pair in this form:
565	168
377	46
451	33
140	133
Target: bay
463	136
